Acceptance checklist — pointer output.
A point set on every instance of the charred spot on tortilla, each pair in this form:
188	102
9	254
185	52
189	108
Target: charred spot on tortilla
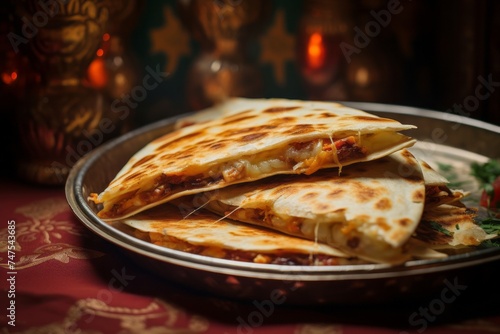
216	146
335	193
280	109
233	133
133	176
418	196
325	114
186	156
143	160
239	118
281	120
322	114
301	129
383	204
410	160
321	207
310	195
425	165
365	193
452	221
414	178
404	221
284	191
168	144
382	224
253	136
163	147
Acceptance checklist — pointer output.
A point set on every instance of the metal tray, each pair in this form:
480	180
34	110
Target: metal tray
454	140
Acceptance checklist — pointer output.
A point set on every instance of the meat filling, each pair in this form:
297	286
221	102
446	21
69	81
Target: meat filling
303	157
282	258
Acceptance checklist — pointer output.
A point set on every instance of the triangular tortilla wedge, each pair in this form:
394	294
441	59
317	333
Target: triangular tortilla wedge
257	139
204	233
446	222
370	211
450	227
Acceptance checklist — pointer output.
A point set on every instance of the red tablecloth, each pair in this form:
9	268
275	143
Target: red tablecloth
65	279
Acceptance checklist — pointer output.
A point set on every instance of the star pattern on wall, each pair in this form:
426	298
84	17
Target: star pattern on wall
172	39
278	47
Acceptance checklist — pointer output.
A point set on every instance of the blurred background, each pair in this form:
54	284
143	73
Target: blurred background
76	73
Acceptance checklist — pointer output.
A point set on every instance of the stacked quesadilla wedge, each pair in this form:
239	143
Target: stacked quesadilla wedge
450	227
259	138
205	233
374	211
446	222
369	211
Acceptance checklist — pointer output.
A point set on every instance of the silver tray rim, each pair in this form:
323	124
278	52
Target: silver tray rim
78	204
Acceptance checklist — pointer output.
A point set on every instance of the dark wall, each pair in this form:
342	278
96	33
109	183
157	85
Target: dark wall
432	54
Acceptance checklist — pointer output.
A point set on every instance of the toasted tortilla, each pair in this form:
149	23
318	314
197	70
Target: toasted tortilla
369	211
450	227
204	233
258	138
437	191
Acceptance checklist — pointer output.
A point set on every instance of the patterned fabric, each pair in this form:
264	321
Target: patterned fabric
68	280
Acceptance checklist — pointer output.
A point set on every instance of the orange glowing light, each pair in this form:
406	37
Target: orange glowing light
316	51
99	52
96	73
9	78
106	37
362	76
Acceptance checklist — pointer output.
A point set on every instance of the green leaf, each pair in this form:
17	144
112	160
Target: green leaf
436	226
486	172
490	225
448	171
445	167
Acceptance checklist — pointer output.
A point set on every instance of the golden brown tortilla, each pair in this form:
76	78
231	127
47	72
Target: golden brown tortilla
256	139
369	211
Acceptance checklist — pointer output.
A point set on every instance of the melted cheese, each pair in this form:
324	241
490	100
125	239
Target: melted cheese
320	230
305	158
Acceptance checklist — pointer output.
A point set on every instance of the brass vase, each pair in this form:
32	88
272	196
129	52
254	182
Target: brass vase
62	117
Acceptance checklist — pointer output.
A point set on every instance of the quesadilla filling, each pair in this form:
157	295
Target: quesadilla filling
276	257
440	194
301	157
347	236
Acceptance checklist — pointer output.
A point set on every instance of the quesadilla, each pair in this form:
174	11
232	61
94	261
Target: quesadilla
256	139
447	223
450	227
370	211
204	233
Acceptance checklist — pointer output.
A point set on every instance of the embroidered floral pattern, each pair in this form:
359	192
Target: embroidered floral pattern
125	319
40	238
